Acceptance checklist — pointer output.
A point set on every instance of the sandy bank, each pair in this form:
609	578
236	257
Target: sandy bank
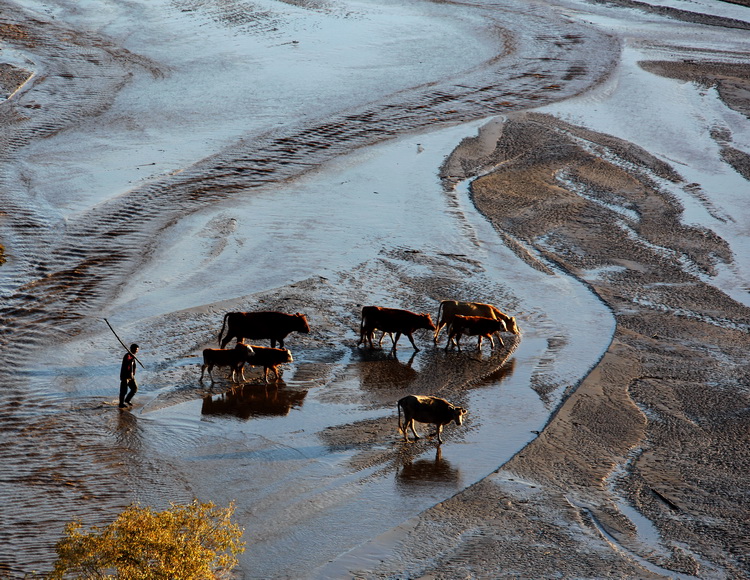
661	422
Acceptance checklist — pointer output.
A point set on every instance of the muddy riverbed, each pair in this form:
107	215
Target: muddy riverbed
582	166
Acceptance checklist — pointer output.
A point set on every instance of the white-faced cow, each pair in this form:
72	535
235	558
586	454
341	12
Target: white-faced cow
474	326
260	325
426	409
270	359
391	320
234	358
450	308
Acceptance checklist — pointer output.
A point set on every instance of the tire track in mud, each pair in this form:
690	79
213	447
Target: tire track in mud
68	270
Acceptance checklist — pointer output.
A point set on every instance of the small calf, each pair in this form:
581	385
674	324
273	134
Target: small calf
474	326
426	409
234	358
270	359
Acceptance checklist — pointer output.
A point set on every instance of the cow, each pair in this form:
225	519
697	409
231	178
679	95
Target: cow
450	308
260	325
474	326
391	320
234	358
269	359
426	409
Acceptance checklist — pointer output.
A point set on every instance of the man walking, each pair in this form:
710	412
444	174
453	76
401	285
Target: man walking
128	386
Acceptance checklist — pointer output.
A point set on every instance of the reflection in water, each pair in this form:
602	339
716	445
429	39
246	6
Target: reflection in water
501	374
382	368
252	401
427	473
128	433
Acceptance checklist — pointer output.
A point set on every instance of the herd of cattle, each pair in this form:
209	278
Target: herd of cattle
458	318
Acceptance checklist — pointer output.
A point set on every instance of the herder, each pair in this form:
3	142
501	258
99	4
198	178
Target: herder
128	386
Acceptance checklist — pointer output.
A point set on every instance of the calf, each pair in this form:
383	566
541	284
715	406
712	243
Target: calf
474	326
270	359
234	358
391	320
426	409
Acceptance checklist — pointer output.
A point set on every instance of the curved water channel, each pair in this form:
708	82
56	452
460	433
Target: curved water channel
161	215
288	484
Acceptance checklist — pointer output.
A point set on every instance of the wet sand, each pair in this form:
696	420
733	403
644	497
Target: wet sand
661	423
641	469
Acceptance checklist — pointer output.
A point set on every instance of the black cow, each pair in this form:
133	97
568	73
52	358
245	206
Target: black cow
261	325
270	359
234	358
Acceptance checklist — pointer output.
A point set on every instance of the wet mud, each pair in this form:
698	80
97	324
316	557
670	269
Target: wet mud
639	437
660	424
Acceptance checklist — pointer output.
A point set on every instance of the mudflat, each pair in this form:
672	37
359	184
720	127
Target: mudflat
641	469
661	423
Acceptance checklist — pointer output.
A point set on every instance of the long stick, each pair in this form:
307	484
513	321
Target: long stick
123	344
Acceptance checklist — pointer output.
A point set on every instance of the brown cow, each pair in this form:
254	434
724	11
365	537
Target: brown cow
474	326
450	308
391	320
270	359
258	325
234	358
426	409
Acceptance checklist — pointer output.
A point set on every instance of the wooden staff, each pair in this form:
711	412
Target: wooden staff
123	344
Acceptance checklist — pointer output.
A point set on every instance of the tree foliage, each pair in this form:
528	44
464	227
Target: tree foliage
196	541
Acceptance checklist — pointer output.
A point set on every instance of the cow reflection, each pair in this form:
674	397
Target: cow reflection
428	472
379	369
252	401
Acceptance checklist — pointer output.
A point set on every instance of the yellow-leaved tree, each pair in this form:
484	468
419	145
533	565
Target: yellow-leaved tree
197	541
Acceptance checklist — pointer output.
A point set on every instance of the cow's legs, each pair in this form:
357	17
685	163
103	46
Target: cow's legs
411	339
203	369
411	424
438	328
395	341
241	369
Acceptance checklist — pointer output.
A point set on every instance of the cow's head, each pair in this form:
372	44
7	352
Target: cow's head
458	414
510	324
245	348
427	320
289	355
302	325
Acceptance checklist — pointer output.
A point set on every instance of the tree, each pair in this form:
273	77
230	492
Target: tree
196	541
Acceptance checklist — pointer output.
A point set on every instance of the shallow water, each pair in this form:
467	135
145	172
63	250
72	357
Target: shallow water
210	156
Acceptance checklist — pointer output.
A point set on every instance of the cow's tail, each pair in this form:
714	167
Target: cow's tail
437	323
362	328
223	324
